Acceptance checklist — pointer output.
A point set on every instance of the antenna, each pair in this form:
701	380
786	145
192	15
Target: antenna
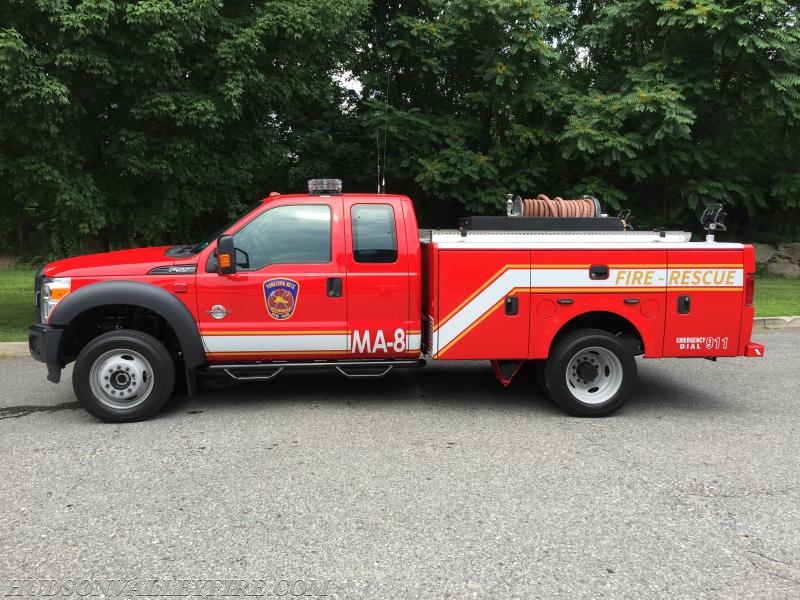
378	154
382	174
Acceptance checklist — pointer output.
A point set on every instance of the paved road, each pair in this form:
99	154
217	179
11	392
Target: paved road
432	484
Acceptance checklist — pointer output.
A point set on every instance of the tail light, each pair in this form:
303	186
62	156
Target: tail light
749	289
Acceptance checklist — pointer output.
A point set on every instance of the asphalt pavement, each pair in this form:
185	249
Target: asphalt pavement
427	484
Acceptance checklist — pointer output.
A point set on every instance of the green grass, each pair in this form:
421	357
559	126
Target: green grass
16	304
775	297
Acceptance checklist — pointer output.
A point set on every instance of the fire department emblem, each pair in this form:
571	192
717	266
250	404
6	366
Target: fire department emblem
281	296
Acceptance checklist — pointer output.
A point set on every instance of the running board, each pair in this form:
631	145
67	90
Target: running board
356	369
365	372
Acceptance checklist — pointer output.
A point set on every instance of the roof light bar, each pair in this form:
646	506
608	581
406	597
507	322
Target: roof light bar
324	187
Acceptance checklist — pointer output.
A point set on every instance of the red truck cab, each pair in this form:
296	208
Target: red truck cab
316	278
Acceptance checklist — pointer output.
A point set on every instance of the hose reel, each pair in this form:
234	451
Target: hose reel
542	206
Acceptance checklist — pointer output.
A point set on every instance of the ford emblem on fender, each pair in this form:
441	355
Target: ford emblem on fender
281	297
218	311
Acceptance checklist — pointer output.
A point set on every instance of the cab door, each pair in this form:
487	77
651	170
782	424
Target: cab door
287	300
378	280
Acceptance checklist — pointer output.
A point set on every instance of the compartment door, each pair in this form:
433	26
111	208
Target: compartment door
705	296
484	305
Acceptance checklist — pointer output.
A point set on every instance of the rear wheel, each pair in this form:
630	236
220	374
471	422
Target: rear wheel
590	373
123	375
538	369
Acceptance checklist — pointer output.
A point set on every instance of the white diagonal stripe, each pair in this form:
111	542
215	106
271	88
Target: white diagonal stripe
481	303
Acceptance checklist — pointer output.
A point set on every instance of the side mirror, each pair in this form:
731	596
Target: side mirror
226	255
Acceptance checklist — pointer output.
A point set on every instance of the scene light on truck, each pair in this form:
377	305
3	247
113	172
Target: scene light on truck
53	291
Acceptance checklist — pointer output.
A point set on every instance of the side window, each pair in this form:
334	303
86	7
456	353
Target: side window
294	234
374	233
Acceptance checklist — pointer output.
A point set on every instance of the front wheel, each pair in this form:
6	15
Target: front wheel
590	373
123	375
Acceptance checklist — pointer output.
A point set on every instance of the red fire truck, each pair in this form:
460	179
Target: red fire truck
326	280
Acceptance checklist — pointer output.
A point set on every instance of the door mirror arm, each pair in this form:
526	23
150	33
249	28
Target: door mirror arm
245	264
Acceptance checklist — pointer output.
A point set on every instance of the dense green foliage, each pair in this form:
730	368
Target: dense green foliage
151	121
690	102
654	106
136	122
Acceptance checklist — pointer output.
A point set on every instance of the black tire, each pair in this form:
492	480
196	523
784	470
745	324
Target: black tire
590	373
123	376
538	370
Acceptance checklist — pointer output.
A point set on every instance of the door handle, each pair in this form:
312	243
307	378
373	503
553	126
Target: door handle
598	272
512	305
684	305
334	287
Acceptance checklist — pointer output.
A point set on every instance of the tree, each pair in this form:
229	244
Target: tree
679	103
142	122
469	93
138	122
655	105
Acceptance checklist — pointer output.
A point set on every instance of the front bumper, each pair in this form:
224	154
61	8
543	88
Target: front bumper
44	344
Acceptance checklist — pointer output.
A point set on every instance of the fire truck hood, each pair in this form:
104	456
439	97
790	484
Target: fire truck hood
139	261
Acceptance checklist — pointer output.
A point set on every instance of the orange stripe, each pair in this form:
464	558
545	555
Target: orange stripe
706	289
637	266
620	289
592	290
308	332
276	352
700	267
273	332
570	266
302	352
610	266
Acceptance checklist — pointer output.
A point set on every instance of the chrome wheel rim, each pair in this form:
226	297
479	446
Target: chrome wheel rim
594	375
121	379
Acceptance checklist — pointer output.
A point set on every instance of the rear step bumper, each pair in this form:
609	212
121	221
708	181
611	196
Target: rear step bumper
754	349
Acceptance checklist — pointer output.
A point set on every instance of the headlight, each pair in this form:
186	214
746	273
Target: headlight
53	290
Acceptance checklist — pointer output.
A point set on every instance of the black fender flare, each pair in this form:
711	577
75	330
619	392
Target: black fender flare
143	295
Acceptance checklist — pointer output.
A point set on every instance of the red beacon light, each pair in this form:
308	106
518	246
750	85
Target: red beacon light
324	187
